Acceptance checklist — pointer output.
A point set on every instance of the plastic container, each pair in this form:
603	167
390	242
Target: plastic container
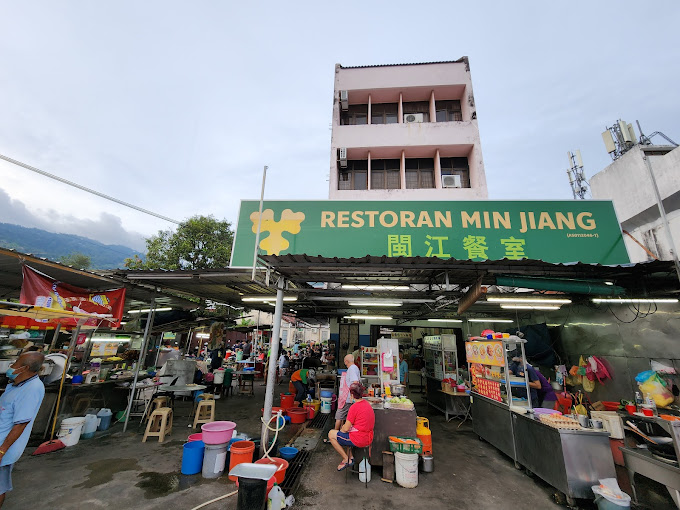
276	499
192	457
427	463
253	495
398	447
218	376
326	394
104	416
604	504
325	404
70	429
90	426
241	451
217	432
281	466
406	469
214	459
297	415
316	404
287	400
364	471
605	500
288	452
195	437
611	406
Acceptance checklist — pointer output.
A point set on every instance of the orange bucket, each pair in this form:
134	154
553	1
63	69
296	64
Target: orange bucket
287	400
241	451
282	465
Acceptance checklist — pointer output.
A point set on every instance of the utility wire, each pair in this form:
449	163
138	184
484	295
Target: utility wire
83	188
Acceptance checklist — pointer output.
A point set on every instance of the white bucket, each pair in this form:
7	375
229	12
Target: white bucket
218	376
406	468
326	405
364	471
69	431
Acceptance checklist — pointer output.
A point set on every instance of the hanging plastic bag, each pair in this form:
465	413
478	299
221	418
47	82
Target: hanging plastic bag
582	366
653	386
602	373
579	408
588	384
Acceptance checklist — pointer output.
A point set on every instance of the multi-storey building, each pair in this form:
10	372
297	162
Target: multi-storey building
406	131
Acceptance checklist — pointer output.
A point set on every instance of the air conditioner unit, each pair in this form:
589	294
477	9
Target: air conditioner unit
451	181
413	117
342	156
344	100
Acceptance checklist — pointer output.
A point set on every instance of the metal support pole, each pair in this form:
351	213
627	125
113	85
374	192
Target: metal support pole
662	212
259	223
55	335
142	350
271	373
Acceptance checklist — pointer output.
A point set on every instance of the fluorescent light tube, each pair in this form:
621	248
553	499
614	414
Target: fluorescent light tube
444	320
146	310
375	317
529	307
374	303
623	301
268	298
529	301
509	321
376	287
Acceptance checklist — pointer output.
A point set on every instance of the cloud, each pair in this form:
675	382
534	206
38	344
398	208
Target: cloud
107	228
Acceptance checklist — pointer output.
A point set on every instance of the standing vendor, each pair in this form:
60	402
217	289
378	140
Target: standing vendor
534	382
403	369
301	380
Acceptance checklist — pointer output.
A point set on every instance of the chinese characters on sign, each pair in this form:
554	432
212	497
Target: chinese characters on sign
475	246
489	389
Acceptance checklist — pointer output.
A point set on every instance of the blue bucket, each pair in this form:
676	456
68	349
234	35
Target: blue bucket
326	394
192	457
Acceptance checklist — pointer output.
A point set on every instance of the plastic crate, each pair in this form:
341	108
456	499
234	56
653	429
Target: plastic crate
406	448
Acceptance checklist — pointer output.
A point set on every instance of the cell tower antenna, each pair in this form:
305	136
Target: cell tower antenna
577	177
619	139
647	140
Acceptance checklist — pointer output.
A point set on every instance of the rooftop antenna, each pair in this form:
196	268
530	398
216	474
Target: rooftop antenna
619	139
577	178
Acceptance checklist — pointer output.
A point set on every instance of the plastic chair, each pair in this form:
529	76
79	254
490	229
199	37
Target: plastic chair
160	424
205	413
365	452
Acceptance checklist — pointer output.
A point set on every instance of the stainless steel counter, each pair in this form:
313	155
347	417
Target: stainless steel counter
644	463
569	460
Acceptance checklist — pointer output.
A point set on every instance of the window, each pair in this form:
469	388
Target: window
385	174
419	173
355	176
384	113
456	166
355	115
422	107
448	111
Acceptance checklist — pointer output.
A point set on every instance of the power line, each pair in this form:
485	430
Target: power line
88	190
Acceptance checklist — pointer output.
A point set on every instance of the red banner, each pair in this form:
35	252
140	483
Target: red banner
41	290
488	388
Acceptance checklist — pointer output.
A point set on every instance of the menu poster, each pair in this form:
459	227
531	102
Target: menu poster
486	353
489	389
104	349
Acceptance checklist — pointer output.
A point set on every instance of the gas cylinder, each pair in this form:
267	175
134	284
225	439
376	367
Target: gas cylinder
424	434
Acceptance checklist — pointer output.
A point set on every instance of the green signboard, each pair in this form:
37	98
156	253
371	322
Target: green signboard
554	231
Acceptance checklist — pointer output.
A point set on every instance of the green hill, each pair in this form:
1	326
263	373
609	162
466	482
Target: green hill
41	243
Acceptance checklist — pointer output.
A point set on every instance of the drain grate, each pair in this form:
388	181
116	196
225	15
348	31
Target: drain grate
293	473
319	421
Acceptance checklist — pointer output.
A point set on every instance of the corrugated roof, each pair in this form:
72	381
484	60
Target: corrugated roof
460	60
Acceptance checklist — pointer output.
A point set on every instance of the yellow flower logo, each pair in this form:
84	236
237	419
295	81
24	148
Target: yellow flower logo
275	243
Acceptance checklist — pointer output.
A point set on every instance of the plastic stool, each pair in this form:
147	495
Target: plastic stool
205	412
160	424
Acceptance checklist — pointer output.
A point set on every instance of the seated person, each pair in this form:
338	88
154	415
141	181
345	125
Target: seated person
357	430
301	379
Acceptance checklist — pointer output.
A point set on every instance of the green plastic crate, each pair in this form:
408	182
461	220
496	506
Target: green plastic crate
406	448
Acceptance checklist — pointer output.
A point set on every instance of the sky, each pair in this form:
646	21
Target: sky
176	106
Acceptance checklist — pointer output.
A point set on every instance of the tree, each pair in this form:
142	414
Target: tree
77	260
201	242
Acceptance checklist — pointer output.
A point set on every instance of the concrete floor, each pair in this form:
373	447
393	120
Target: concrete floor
118	470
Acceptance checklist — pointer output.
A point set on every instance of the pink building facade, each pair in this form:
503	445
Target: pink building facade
405	132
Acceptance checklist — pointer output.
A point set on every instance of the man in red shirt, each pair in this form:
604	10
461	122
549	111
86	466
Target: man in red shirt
357	430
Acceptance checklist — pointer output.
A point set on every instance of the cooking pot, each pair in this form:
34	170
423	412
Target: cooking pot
397	389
